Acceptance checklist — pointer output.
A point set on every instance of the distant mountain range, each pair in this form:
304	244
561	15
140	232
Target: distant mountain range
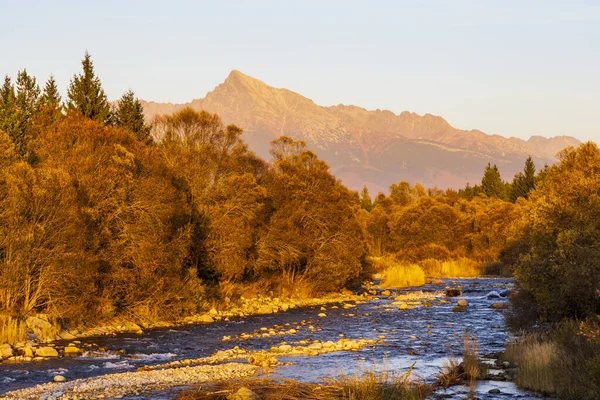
376	148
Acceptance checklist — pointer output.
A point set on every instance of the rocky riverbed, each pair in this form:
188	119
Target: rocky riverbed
394	329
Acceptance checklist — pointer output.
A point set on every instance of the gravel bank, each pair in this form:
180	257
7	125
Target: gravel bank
132	383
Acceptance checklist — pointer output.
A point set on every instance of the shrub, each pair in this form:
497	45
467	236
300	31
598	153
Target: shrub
536	357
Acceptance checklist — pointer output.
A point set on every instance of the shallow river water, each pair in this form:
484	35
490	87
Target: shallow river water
424	337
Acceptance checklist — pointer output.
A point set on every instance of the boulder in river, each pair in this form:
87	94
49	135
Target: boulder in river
459	309
46	352
500	305
59	378
205	318
453	292
493	295
463	303
72	351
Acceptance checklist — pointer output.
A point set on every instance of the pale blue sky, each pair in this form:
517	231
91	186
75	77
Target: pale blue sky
515	68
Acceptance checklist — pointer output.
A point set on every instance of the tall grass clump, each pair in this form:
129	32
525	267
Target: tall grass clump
535	357
397	275
375	384
379	384
460	268
12	330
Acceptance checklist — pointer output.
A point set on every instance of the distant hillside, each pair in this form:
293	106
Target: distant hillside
376	148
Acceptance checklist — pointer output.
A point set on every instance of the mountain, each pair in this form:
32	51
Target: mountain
376	148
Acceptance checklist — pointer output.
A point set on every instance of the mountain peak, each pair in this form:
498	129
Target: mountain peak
237	78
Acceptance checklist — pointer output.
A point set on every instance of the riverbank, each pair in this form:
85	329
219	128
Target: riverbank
39	347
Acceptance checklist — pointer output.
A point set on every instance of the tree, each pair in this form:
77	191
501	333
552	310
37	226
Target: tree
561	265
491	183
365	199
7	104
523	182
130	115
51	98
26	106
85	94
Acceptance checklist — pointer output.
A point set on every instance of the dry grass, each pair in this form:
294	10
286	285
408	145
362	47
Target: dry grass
11	330
535	358
376	384
397	275
461	268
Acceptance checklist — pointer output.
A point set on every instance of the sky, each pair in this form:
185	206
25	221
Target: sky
514	68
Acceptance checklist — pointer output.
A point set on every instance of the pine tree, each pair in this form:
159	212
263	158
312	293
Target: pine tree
529	176
365	199
86	95
491	183
523	182
51	98
130	115
26	106
7	104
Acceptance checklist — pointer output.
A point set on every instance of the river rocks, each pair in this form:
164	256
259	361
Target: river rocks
500	305
386	293
26	351
130	327
46	352
59	378
494	391
38	324
321	315
243	394
462	303
264	309
452	292
5	351
65	335
72	351
493	295
459	309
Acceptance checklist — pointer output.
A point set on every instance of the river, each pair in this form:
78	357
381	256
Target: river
425	337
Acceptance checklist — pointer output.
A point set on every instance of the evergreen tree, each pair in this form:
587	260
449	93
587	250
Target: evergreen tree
491	183
26	106
51	98
365	199
86	95
523	182
130	115
7	104
529	175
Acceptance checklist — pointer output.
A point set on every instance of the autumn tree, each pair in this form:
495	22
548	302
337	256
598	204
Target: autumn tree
560	267
312	234
86	96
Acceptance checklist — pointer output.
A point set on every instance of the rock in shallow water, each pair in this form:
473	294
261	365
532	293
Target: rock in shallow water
59	378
